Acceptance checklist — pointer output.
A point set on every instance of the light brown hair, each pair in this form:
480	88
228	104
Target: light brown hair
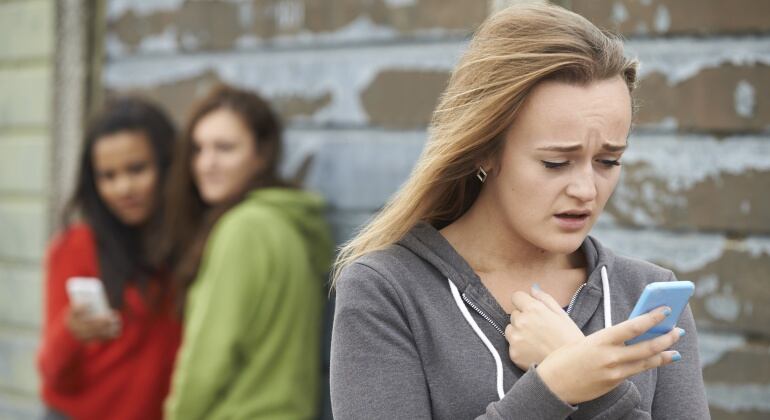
511	53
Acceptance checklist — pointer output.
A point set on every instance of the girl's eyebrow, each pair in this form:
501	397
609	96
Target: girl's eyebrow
576	147
614	147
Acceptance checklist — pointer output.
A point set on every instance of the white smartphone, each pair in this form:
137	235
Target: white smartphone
88	292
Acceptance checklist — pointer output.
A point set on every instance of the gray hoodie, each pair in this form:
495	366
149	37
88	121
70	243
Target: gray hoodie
402	348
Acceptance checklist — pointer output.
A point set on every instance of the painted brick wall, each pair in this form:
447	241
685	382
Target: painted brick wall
357	82
26	59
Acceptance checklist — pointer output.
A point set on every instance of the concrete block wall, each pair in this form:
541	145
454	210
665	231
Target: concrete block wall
357	81
26	62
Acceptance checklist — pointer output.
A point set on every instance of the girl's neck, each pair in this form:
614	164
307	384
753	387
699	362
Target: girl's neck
506	262
490	245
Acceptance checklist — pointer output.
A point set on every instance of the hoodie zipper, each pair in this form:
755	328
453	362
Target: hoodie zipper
483	315
497	327
574	298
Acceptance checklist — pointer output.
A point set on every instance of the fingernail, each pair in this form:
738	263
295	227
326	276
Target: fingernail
536	287
676	357
682	332
667	311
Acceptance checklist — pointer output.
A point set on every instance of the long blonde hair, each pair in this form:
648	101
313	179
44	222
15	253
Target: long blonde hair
511	52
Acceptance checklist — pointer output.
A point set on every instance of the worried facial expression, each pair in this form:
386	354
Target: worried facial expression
126	175
560	162
225	158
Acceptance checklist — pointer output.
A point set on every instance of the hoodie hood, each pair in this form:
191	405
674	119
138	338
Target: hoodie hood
427	243
305	210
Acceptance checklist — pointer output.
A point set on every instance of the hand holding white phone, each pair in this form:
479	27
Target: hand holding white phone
90	316
88	292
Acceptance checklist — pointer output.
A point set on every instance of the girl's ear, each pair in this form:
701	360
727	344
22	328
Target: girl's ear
488	165
491	162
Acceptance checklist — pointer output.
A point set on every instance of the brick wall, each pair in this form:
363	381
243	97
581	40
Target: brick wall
26	39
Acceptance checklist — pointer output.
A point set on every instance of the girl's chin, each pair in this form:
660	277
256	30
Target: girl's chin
564	243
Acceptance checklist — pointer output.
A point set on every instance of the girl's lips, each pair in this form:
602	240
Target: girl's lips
131	204
571	223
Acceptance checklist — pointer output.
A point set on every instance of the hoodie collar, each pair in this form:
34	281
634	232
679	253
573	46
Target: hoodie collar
427	243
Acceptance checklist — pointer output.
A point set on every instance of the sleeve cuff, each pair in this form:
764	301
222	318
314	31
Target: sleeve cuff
531	396
622	399
66	343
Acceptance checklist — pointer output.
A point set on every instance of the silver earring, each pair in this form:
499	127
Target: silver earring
481	174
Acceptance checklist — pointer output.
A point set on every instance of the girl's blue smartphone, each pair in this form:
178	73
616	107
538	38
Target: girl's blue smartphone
673	294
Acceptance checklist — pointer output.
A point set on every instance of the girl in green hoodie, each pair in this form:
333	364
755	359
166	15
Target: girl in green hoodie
251	254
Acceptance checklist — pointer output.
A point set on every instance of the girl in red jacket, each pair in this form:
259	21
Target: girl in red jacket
116	365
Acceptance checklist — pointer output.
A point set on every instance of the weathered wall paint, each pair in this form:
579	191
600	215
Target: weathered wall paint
167	27
688	91
356	82
676	17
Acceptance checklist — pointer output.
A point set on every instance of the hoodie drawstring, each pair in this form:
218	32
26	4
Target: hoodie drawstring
606	298
498	362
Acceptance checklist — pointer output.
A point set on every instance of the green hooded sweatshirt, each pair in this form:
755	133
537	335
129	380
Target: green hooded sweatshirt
253	321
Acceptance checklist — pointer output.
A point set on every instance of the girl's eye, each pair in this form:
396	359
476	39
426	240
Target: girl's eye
224	147
137	168
610	163
105	176
554	165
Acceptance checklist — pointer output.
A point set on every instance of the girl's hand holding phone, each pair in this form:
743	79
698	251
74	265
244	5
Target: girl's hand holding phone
589	368
87	327
89	316
538	327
